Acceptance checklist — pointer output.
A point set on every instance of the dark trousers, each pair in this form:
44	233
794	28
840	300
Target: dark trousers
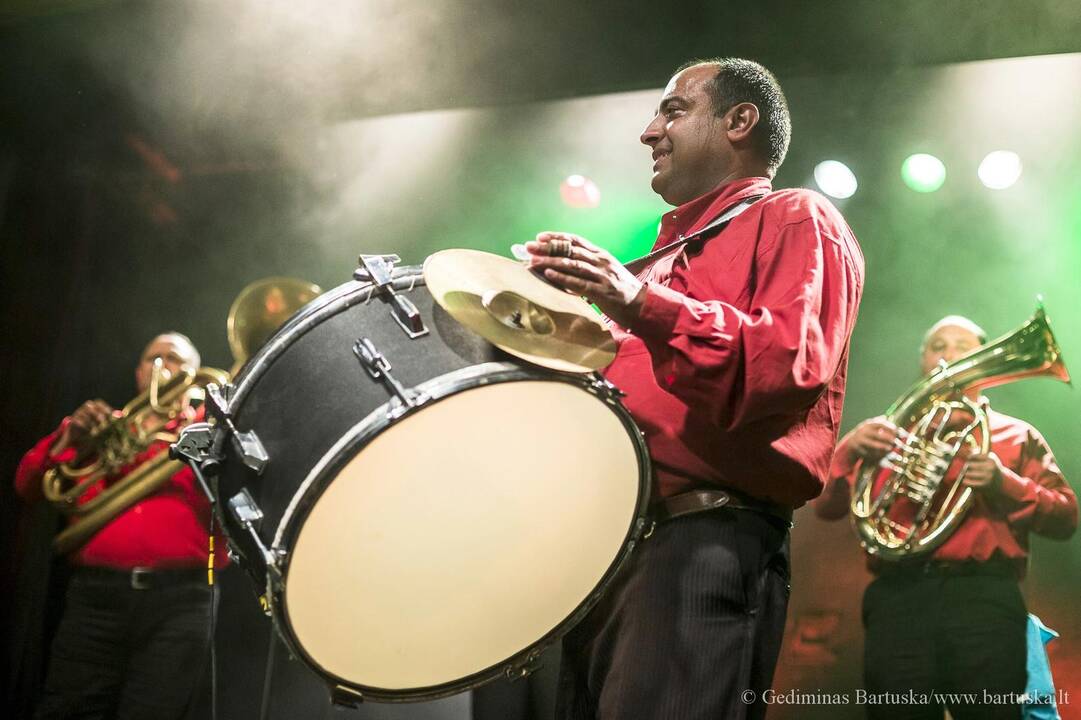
690	630
125	653
958	639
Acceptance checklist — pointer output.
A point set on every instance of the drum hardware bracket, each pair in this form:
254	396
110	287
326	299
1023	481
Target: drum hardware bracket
525	668
378	269
246	443
378	367
604	389
345	697
194	447
248	514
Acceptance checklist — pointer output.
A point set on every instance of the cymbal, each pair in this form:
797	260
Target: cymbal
505	303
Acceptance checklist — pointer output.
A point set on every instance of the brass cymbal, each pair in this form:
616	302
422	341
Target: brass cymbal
505	303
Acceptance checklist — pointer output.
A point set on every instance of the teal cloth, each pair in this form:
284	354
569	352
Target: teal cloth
1040	691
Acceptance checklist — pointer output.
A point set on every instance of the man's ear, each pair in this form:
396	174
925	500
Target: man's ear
740	121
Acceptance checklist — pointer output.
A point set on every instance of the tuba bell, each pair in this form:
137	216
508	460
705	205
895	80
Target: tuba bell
257	312
913	500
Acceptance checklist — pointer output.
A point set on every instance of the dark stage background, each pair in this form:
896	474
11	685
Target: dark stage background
157	157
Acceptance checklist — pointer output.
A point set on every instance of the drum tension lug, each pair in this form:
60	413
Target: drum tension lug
378	269
250	517
247	444
378	367
345	697
605	389
525	668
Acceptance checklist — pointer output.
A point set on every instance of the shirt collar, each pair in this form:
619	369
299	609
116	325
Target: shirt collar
692	216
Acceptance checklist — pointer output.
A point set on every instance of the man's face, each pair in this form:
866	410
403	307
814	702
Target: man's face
691	151
174	354
947	343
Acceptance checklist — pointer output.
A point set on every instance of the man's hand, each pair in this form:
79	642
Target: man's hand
984	472
87	419
575	264
872	439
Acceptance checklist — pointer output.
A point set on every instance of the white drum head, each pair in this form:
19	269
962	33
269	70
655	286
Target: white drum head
462	535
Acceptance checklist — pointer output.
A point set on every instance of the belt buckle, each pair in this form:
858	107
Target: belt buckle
141	578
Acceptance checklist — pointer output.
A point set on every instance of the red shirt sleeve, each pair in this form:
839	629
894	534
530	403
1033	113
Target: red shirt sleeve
37	461
1035	495
777	356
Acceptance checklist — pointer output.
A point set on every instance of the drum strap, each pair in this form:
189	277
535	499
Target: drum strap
697	238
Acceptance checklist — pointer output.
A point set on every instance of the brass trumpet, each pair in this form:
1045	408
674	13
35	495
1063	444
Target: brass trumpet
257	312
913	511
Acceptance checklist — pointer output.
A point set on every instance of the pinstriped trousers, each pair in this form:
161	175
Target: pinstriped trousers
691	628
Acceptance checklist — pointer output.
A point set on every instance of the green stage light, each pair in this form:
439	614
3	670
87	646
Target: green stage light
1000	169
923	173
835	179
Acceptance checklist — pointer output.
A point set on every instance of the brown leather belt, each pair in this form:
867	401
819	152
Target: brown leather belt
696	501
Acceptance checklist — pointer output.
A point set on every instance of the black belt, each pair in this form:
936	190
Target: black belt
996	567
696	501
141	578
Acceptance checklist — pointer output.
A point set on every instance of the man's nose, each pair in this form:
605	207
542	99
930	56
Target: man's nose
653	132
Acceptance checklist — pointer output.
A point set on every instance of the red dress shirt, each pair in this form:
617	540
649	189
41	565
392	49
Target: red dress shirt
1035	498
165	530
735	371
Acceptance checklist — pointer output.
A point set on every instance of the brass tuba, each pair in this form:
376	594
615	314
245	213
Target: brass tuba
135	428
901	507
254	316
260	309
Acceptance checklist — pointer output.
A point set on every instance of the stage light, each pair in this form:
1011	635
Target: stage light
835	179
1000	169
580	192
923	173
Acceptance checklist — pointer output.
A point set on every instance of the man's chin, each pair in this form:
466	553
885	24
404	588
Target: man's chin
659	183
665	190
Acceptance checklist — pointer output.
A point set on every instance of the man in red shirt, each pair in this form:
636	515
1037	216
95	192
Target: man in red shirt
733	345
955	622
135	631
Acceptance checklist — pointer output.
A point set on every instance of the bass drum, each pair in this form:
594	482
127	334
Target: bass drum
435	524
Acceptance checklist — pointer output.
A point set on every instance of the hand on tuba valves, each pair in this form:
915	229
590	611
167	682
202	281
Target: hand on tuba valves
983	472
83	426
107	440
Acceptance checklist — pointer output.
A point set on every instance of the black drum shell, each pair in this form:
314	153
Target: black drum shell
306	388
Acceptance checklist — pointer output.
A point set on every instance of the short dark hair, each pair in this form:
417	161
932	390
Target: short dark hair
738	81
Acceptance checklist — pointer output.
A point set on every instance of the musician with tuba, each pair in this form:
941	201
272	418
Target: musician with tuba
944	612
135	630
